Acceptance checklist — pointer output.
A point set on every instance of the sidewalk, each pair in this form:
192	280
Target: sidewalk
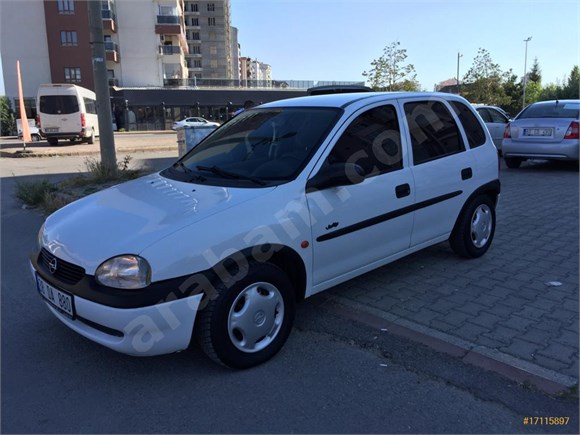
129	142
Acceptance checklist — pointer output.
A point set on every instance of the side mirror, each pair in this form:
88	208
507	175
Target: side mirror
336	174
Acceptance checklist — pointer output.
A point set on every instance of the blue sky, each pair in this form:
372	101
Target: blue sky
338	39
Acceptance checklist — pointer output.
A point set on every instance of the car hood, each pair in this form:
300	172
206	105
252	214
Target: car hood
128	218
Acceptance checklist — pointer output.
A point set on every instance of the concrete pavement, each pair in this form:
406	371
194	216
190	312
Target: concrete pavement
513	311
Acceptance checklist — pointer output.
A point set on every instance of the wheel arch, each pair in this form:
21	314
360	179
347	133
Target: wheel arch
491	189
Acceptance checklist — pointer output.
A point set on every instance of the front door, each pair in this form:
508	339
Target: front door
357	225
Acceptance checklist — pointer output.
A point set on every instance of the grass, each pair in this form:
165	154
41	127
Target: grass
49	197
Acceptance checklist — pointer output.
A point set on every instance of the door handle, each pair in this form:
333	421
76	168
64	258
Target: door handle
466	174
403	190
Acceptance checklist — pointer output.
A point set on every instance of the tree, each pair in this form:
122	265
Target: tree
535	74
513	89
6	117
390	72
572	88
484	81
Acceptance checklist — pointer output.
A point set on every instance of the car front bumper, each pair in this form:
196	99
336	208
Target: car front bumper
144	331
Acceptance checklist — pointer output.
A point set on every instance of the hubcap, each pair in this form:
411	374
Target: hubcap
255	317
481	225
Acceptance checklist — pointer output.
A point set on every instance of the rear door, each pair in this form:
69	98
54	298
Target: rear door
442	168
59	114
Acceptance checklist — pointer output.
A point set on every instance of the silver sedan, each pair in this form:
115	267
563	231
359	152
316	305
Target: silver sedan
546	130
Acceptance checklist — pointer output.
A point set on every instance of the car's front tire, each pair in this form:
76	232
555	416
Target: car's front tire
248	321
475	228
513	162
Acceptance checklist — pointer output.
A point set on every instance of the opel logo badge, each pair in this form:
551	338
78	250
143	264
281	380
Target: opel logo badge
52	266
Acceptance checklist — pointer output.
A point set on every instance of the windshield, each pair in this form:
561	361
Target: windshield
259	147
556	109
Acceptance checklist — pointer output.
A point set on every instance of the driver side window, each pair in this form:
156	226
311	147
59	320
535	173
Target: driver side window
373	141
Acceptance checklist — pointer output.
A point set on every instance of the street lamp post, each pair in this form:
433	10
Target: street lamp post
459	55
525	71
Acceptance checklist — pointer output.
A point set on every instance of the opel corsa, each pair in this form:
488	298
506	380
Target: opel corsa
280	203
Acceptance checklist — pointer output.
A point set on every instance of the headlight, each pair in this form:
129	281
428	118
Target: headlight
40	232
126	272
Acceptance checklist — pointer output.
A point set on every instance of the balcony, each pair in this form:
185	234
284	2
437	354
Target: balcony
109	20
169	49
112	51
169	25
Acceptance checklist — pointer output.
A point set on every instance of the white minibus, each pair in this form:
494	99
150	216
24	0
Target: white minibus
67	111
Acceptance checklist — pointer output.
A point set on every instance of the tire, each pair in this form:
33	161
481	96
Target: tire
513	162
52	142
248	323
91	139
35	138
474	229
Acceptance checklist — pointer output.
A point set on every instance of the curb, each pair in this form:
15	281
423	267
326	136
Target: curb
510	367
20	155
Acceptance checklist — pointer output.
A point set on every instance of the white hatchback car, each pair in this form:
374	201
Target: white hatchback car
282	202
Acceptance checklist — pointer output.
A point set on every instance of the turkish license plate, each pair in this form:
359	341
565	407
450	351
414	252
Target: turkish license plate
62	301
51	130
541	132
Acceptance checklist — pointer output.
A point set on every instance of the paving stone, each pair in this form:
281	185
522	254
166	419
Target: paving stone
550	363
472	308
572	370
532	313
567	338
387	302
443	306
559	352
517	322
502	334
470	331
538	336
442	326
521	349
561	315
514	302
456	318
487	320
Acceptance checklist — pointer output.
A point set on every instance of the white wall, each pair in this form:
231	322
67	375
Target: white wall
23	37
138	43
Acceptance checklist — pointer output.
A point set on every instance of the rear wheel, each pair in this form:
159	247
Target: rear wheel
249	321
91	139
513	162
475	228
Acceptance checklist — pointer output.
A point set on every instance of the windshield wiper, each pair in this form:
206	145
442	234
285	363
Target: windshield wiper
227	174
182	166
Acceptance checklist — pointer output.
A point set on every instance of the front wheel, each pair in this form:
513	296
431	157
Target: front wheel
474	229
248	322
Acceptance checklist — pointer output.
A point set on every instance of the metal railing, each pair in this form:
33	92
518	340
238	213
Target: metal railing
167	19
108	14
111	46
169	49
254	84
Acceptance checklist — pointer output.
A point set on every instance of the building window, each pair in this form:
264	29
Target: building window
211	21
212	36
197	63
194	7
66	6
211	7
195	49
213	49
195	36
72	75
195	21
68	39
213	63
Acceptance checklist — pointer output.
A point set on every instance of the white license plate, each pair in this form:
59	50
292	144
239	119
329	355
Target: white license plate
542	132
57	298
51	130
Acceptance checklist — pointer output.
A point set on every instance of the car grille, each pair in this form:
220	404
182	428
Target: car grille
66	272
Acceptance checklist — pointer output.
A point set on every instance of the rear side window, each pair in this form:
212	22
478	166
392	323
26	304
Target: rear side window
58	104
473	129
373	141
498	117
90	105
433	130
554	109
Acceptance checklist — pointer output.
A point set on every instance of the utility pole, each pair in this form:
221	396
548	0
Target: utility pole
97	42
525	71
459	55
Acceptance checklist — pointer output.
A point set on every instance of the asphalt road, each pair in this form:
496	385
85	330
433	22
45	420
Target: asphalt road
333	375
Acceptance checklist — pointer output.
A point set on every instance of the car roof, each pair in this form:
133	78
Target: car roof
557	101
343	100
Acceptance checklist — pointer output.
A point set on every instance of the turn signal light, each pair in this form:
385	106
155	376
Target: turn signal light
572	132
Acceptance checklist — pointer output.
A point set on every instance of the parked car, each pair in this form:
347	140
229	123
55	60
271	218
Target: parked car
496	120
34	134
543	130
193	122
283	202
